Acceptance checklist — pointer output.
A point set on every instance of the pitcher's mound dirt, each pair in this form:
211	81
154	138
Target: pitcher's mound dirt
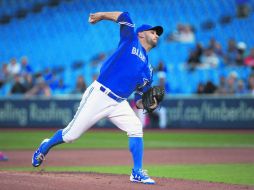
93	181
10	180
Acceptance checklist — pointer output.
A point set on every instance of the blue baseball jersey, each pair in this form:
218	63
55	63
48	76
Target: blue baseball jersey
127	70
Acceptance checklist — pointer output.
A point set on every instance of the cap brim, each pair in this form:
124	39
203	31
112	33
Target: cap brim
158	29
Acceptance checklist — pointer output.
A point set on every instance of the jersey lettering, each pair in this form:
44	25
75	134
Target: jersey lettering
138	53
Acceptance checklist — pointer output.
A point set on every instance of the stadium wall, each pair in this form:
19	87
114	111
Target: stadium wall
181	112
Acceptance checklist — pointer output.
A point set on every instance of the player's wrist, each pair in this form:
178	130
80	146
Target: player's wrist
101	15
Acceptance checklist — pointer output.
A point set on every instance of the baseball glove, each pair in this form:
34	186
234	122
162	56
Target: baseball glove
148	98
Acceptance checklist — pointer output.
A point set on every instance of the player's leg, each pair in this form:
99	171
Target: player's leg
57	138
93	106
45	146
125	118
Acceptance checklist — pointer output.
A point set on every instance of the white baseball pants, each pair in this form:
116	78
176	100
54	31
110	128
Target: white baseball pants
95	105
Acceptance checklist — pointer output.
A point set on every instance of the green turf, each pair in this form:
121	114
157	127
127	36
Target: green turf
18	140
226	173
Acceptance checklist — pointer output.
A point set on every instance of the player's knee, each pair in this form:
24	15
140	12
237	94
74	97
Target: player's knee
136	130
135	133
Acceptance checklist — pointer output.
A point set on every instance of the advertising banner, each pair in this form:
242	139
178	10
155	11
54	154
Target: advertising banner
181	112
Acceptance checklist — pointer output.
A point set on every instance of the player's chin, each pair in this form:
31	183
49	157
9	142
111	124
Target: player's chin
154	44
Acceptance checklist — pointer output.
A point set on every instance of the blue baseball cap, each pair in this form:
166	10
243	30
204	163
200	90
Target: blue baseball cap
145	27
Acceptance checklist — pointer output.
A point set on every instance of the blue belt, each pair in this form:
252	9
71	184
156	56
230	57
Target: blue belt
111	95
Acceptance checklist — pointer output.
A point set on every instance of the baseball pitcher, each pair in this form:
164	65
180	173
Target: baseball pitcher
125	72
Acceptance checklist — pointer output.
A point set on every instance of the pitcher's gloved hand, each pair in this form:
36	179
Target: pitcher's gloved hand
152	98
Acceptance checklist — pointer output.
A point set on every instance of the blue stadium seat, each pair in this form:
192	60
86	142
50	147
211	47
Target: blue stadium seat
60	35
